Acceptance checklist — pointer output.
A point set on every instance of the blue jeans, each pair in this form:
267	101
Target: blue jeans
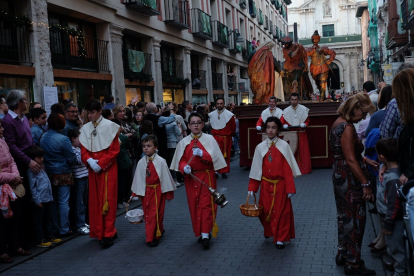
236	140
60	210
81	185
41	217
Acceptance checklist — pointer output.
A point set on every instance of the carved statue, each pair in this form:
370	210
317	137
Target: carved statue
319	67
296	69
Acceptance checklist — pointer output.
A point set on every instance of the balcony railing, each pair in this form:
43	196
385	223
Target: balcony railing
137	65
266	22
252	9
217	81
276	34
201	24
143	7
69	53
14	45
199	85
406	23
260	19
220	34
277	4
243	4
270	27
233	45
171	69
231	83
176	14
247	49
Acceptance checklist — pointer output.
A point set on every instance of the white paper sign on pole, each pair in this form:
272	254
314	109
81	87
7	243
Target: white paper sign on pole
50	97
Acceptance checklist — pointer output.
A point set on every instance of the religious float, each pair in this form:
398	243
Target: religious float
268	79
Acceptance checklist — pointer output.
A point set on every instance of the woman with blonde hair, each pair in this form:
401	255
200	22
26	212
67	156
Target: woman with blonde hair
403	90
351	179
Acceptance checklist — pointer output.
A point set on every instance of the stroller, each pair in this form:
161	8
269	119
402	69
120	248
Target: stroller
407	196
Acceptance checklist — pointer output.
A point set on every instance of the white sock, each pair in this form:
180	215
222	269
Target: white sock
205	235
279	242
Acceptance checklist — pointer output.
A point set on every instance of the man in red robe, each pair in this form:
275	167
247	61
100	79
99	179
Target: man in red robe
277	185
99	150
298	115
223	129
199	154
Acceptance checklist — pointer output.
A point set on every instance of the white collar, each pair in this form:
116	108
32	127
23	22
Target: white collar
152	156
14	115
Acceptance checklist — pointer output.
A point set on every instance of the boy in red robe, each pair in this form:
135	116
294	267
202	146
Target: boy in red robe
199	154
272	170
99	150
154	184
223	129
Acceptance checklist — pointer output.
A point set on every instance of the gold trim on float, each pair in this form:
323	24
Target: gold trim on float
326	137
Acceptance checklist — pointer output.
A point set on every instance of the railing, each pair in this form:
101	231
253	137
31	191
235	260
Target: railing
14	45
231	83
404	14
217	81
277	4
143	7
136	62
201	24
252	9
198	73
277	33
176	14
89	54
220	34
243	4
266	22
233	46
247	49
260	19
270	27
171	69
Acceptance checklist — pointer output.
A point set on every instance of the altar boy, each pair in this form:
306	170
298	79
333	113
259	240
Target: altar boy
273	169
154	184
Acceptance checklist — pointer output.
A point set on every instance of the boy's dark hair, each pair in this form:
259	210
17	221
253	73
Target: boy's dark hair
368	86
37	112
152	138
73	133
388	147
93	105
195	114
34	151
276	120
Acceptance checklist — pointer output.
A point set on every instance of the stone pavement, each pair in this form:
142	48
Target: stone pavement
239	249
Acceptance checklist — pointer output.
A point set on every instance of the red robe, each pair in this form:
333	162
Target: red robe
103	225
224	140
198	196
302	154
281	226
149	205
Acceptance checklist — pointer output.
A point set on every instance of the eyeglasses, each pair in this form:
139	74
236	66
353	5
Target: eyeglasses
363	112
195	123
73	111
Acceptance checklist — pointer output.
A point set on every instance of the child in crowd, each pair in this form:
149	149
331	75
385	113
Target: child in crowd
80	177
387	150
39	118
153	184
42	197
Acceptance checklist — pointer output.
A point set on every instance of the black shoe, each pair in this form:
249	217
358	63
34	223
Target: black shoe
224	176
200	239
216	175
280	246
154	243
340	260
115	236
361	270
68	234
206	243
106	242
373	210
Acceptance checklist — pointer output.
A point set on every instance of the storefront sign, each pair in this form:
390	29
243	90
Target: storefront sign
50	97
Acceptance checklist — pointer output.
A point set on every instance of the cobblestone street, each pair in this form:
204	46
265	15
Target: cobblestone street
239	249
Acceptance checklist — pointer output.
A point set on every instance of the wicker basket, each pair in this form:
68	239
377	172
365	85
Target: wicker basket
134	216
251	210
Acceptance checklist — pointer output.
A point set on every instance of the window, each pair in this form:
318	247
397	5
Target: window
328	30
291	34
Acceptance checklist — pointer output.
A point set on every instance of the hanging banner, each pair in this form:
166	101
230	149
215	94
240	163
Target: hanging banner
387	70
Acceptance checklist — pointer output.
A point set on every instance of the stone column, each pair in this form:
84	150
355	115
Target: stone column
157	69
40	48
225	83
187	73
236	85
347	72
209	79
116	64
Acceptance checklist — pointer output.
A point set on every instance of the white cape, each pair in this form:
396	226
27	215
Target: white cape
106	132
221	123
296	117
211	146
266	114
139	184
260	152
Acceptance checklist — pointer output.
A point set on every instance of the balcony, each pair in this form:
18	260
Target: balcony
243	4
71	53
172	70
270	27
277	4
247	49
143	7
252	9
220	34
217	81
260	19
407	18
234	45
137	65
201	24
276	34
14	45
266	22
177	14
201	85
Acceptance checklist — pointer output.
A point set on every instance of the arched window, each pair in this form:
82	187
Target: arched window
327	8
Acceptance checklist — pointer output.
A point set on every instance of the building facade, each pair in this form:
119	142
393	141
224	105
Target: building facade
155	50
339	30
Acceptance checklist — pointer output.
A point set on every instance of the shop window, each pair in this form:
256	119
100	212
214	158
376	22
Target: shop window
198	99
245	98
173	95
10	83
67	90
145	94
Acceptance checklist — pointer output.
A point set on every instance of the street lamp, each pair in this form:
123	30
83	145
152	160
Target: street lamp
239	39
